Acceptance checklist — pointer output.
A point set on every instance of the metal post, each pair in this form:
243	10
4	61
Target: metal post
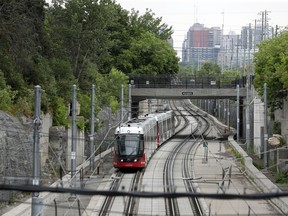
228	115
92	147
122	103
37	208
249	46
238	120
129	102
73	147
219	110
225	112
265	127
254	44
247	116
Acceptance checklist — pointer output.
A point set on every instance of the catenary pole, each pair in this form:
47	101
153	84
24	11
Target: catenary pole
228	114
73	147
37	205
122	103
238	107
129	102
265	127
92	121
247	115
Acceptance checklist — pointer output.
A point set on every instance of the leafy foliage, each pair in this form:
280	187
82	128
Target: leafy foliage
148	23
7	95
60	113
271	67
209	69
81	42
149	55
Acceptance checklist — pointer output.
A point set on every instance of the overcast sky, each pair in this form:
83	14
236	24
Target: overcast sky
181	14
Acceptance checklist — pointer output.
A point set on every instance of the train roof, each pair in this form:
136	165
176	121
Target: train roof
138	125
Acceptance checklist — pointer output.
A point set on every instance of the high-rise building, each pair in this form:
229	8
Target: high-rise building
201	45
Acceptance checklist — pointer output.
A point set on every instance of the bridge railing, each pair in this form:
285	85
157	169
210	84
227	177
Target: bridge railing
170	81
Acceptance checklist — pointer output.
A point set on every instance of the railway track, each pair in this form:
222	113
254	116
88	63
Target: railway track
187	139
187	145
122	182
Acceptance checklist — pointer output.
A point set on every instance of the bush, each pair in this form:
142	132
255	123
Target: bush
277	127
60	113
6	98
25	105
281	178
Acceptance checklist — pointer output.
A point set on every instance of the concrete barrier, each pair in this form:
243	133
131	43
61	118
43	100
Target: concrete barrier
262	182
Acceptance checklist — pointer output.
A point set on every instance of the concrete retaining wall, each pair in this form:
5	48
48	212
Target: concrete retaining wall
259	178
44	140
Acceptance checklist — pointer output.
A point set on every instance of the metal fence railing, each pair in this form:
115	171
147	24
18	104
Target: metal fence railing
170	81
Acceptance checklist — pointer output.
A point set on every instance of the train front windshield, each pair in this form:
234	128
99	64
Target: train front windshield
129	145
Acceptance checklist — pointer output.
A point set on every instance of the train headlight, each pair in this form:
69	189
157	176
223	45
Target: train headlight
121	160
135	160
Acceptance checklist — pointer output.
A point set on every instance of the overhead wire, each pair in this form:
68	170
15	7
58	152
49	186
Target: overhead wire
36	188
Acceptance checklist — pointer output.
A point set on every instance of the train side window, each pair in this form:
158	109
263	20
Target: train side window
116	144
141	145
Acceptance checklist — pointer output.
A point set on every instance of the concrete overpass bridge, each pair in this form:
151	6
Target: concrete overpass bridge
164	87
211	91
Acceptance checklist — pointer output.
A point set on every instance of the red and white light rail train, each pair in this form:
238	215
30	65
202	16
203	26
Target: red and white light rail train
137	139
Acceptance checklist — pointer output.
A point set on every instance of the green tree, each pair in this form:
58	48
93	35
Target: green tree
149	23
80	32
209	69
149	55
271	67
186	70
22	39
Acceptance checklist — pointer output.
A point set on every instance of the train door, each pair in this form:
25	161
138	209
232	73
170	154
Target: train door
157	134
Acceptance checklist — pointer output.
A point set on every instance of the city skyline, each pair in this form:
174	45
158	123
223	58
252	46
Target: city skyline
229	15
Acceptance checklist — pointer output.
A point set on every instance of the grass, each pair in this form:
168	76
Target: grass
281	178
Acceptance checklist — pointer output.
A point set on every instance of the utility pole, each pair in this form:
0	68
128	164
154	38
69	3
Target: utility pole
276	30
232	53
249	45
129	102
265	26
247	116
219	109
37	203
73	147
244	40
237	52
122	103
225	111
265	127
222	47
254	44
262	26
238	109
92	122
228	114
